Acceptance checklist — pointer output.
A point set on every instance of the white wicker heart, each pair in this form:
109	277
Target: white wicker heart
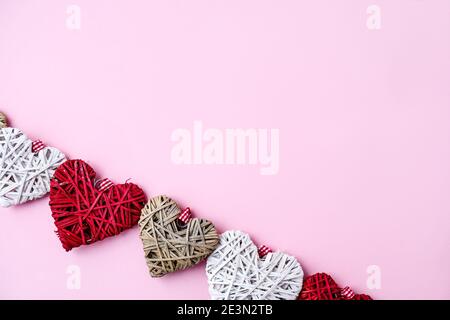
24	175
236	272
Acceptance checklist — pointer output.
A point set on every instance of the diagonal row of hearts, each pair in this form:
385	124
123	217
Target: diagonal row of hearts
85	211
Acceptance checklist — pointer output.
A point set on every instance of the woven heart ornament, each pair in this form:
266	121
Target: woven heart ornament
321	286
88	210
26	167
3	122
170	242
236	272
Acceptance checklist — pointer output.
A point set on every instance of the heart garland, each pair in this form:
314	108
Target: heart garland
85	211
26	167
235	272
171	240
321	286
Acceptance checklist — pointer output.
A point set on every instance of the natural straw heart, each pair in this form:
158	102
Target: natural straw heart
235	272
169	244
85	212
25	173
3	122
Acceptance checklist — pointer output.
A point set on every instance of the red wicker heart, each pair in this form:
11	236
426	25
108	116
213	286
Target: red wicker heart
321	286
362	297
84	213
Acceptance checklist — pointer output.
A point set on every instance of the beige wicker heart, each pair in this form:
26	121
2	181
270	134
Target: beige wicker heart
3	122
235	272
170	245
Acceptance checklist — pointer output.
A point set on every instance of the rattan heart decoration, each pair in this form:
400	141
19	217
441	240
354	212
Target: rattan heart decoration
86	210
321	286
235	272
3	122
26	167
170	244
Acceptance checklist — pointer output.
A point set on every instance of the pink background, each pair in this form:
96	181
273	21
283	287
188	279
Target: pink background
363	115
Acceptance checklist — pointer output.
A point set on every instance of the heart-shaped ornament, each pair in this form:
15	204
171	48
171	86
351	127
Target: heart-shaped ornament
26	167
321	286
171	244
236	272
86	210
3	122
